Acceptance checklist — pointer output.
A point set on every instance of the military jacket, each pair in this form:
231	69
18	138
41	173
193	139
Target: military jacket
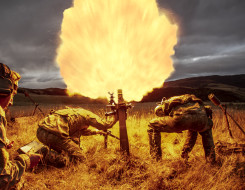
73	122
180	113
10	172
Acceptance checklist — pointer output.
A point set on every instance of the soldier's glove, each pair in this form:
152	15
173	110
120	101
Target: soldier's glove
34	159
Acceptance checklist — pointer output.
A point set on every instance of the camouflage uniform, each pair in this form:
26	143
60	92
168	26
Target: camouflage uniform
10	172
62	129
180	113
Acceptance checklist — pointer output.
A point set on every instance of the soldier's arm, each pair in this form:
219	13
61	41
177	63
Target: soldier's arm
11	170
85	132
101	124
88	132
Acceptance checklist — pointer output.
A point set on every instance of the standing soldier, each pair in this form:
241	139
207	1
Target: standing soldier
61	131
10	171
179	113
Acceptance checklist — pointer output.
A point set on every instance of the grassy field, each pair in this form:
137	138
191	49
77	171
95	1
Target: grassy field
108	169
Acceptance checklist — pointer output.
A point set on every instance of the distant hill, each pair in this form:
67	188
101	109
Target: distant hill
226	88
47	91
52	96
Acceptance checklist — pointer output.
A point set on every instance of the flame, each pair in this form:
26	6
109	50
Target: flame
109	45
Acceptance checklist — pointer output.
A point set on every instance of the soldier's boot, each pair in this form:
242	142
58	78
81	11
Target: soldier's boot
155	144
210	155
53	158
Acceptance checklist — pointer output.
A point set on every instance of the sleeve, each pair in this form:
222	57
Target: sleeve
10	172
88	132
84	132
3	137
101	124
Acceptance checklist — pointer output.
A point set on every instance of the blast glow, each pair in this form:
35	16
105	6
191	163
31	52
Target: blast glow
115	44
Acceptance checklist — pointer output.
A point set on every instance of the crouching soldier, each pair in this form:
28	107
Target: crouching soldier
179	113
61	131
10	171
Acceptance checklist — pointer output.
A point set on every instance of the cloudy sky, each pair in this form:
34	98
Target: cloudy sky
211	38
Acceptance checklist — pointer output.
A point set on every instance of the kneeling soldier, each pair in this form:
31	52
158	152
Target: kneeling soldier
179	113
10	171
61	131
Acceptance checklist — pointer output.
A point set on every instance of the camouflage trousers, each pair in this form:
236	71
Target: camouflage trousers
207	140
155	143
66	150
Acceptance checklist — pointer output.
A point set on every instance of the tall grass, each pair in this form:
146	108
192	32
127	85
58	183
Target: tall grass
108	169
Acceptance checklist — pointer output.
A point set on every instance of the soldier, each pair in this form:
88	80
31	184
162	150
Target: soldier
61	131
179	113
10	171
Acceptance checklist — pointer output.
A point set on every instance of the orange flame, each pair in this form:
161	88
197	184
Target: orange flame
109	45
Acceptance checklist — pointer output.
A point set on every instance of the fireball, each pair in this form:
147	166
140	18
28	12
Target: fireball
113	44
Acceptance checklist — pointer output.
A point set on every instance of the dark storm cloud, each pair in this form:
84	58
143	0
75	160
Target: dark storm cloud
29	37
211	38
223	17
42	80
210	65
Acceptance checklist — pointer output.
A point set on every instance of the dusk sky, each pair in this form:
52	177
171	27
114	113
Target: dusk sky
211	38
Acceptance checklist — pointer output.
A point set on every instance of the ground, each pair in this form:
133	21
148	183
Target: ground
109	169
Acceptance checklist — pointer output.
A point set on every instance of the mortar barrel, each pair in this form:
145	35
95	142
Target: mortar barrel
214	99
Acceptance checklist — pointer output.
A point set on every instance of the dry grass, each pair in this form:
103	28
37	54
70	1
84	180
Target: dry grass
107	169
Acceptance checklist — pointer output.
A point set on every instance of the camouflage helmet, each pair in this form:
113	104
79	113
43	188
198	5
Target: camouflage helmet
8	80
160	110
